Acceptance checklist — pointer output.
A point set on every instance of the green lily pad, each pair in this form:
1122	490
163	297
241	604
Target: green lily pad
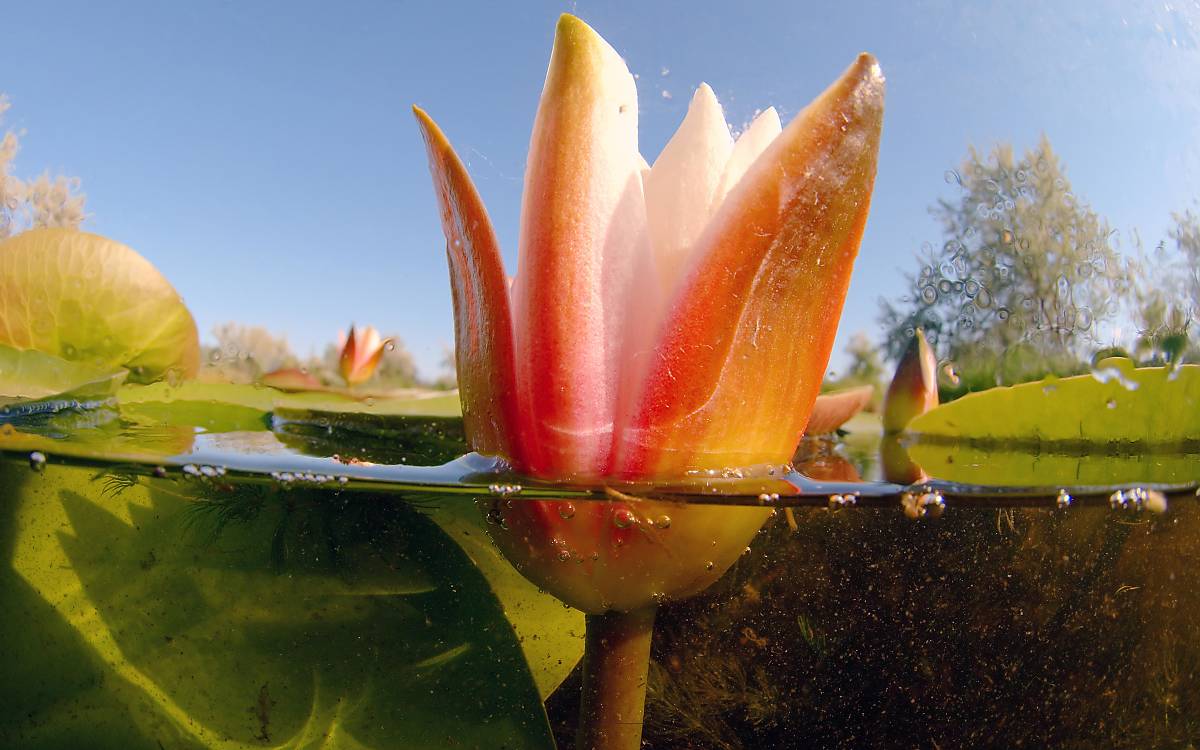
148	613
971	464
30	375
265	399
85	298
1116	404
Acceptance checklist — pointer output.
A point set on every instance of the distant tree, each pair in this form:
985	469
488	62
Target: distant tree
245	352
397	368
41	202
447	378
1024	265
1166	294
865	363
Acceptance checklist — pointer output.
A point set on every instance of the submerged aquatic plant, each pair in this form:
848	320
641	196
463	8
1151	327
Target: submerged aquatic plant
664	321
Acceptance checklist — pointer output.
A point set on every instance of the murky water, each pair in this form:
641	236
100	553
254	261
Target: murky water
175	586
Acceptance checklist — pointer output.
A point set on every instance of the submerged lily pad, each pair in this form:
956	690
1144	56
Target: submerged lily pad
30	375
85	298
147	614
1114	404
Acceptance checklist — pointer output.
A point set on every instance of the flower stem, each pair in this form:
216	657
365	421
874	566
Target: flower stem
616	659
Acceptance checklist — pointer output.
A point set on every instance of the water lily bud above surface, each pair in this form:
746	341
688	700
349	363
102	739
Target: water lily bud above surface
664	320
360	355
913	390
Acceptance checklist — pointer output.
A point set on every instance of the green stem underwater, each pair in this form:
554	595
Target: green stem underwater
616	660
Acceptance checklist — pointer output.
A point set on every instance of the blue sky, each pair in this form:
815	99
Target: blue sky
263	156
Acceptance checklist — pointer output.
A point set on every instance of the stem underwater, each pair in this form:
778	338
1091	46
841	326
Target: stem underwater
616	660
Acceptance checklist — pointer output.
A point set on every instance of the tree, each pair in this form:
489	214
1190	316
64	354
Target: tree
1025	265
42	202
1166	296
245	352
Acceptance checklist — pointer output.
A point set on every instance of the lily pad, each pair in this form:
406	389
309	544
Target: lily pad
30	375
146	614
551	635
265	399
89	299
971	464
1116	404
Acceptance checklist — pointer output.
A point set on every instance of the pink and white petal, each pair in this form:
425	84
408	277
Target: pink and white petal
749	146
682	183
581	217
744	346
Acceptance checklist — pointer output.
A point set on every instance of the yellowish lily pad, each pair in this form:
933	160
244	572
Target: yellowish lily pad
89	299
1115	404
29	375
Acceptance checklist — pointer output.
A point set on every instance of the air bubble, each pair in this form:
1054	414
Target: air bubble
1063	500
37	461
662	522
566	511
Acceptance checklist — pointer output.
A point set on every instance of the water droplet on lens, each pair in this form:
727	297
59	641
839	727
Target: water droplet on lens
623	518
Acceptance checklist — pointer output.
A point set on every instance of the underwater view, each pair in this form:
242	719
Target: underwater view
606	376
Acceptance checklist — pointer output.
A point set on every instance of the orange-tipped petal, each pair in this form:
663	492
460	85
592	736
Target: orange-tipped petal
913	390
483	334
832	410
582	218
739	362
348	357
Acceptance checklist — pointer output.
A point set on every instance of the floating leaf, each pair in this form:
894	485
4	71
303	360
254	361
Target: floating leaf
992	466
421	403
86	298
30	375
1115	404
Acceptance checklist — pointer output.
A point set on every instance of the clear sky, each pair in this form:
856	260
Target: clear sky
263	156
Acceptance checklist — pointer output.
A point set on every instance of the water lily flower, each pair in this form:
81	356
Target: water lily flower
664	320
360	356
